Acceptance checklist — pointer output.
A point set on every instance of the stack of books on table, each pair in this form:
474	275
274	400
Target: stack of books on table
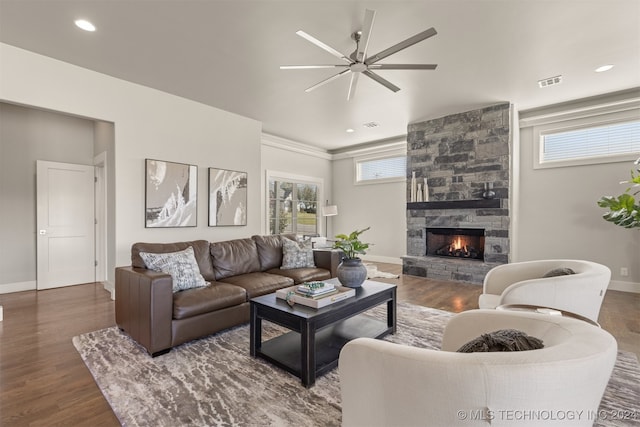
316	296
316	290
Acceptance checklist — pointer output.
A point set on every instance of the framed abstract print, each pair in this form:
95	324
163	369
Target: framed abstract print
227	197
171	194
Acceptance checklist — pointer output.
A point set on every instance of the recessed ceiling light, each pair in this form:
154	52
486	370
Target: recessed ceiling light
350	130
85	25
603	68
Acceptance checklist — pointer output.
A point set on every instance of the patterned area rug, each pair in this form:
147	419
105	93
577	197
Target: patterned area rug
214	381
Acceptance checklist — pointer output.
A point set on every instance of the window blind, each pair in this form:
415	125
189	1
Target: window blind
612	139
382	168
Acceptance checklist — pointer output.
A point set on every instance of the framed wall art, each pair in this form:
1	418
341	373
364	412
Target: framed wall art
227	197
171	194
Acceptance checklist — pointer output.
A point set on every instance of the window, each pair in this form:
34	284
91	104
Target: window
293	206
600	141
381	169
604	134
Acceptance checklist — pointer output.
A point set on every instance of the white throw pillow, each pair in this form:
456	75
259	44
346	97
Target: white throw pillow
181	265
297	254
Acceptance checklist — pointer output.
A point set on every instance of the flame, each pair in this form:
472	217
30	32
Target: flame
457	244
458	305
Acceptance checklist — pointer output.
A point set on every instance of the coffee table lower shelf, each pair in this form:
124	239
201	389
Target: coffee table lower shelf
285	350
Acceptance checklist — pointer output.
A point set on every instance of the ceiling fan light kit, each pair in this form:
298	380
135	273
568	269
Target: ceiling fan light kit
359	63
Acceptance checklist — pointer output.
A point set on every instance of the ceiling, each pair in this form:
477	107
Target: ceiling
227	54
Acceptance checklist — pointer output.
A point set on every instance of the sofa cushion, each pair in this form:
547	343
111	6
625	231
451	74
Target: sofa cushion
181	265
269	250
297	254
234	257
257	284
502	340
204	300
300	275
200	249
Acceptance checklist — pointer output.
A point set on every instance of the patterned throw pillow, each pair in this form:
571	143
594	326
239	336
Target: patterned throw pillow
182	267
296	254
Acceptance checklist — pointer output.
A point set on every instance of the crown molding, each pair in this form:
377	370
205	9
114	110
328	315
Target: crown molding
296	147
576	110
397	144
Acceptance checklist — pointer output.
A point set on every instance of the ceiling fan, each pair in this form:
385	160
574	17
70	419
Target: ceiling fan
359	63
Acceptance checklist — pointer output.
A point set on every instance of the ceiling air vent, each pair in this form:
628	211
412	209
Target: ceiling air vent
371	125
550	81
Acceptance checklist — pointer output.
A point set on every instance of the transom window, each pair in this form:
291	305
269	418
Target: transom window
605	135
381	169
598	141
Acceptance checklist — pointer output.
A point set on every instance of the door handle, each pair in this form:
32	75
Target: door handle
43	232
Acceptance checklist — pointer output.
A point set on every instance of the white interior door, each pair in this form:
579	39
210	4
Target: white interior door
66	223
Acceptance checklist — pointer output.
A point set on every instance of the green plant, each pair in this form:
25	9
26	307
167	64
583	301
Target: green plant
351	244
624	210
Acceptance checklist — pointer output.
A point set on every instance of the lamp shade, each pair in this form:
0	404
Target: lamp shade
330	210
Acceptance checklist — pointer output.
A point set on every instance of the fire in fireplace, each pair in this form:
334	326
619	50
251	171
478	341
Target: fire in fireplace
465	243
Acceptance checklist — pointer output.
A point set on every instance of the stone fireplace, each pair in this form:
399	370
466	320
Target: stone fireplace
460	232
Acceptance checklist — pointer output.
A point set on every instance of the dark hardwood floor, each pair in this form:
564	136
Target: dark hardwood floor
43	381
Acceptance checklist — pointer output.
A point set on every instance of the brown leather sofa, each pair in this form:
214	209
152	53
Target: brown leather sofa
238	270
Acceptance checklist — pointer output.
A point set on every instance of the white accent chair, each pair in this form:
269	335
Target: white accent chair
523	283
387	384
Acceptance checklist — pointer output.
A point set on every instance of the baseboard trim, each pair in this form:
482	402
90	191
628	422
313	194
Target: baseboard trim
618	285
109	286
7	288
386	259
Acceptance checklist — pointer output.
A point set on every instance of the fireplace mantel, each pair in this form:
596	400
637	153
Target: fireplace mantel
454	204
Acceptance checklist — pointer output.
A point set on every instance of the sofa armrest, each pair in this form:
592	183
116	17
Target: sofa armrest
329	259
502	276
144	307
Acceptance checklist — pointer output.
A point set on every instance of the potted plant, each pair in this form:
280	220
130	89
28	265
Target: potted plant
624	210
351	272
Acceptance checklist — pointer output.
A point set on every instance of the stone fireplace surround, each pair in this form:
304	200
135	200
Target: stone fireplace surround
458	154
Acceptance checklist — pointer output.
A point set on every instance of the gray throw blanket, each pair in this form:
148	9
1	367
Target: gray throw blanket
502	340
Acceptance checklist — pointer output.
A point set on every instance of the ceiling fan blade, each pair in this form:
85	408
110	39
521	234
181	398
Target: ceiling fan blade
323	46
352	86
369	16
403	66
330	79
400	46
380	80
309	67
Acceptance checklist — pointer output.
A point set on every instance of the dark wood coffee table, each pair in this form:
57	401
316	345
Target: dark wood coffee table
313	346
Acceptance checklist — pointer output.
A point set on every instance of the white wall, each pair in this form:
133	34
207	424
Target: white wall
558	216
104	144
28	135
380	206
148	124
